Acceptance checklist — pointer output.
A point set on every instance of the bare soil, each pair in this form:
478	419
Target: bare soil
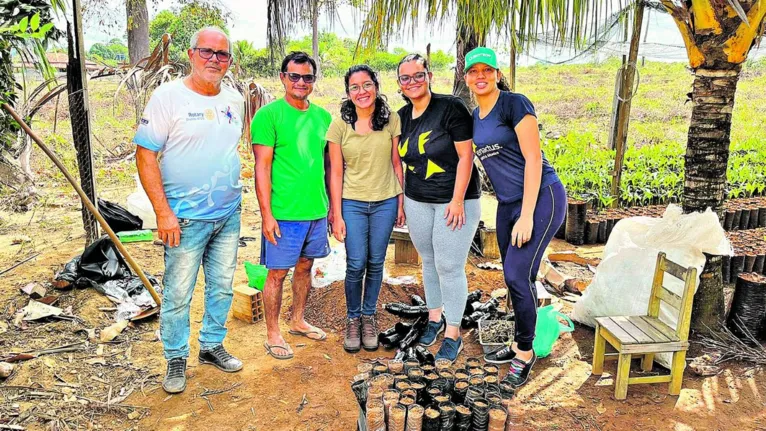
310	392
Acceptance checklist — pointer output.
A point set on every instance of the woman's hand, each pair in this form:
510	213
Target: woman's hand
455	214
522	231
339	229
400	217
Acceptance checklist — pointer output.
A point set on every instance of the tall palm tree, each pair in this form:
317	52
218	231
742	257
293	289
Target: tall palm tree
718	35
282	15
475	20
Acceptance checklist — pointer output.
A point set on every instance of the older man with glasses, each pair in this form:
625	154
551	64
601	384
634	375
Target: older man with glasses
288	137
196	124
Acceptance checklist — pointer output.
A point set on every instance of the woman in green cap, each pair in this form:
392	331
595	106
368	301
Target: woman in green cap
532	200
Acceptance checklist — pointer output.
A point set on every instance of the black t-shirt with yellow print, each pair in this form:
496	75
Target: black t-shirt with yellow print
427	146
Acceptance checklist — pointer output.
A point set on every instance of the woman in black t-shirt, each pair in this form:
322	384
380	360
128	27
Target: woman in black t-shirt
441	197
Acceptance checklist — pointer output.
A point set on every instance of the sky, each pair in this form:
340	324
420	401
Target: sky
663	42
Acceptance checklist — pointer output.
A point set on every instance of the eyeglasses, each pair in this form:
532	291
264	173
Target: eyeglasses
295	77
367	86
475	71
207	54
406	79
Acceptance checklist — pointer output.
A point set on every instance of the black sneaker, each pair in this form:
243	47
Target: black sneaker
221	359
433	329
518	374
175	377
502	356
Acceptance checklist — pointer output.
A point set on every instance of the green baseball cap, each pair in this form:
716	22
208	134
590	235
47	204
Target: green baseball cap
481	54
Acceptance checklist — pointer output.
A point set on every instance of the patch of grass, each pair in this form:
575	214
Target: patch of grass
573	101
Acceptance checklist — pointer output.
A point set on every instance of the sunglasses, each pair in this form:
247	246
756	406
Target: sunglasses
295	77
406	79
207	54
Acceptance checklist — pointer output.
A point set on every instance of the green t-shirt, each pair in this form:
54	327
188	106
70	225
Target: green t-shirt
298	191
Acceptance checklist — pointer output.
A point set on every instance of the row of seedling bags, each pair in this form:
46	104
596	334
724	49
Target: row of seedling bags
579	229
403	336
733	266
410	396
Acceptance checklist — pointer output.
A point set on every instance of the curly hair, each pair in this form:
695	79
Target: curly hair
382	112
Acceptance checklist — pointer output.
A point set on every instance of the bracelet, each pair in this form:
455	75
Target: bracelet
460	204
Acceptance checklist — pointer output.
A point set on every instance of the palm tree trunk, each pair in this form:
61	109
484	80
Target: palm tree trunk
138	30
707	149
466	40
707	156
315	33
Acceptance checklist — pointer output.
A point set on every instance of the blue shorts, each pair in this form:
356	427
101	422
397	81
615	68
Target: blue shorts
299	239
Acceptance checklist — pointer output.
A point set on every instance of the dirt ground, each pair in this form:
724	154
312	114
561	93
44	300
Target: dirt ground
83	389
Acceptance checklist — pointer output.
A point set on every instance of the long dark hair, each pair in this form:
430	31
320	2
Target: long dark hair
382	112
418	59
503	84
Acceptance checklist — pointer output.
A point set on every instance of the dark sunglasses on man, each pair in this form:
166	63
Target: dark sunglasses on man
406	79
207	54
295	77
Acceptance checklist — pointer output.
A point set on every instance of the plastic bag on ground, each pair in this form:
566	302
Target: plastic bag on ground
118	218
548	329
140	205
623	280
329	269
101	262
102	267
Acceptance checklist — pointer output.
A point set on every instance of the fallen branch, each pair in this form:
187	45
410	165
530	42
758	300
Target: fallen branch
20	263
732	347
219	391
207	392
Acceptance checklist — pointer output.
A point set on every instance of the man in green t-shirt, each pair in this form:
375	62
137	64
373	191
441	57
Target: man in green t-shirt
288	138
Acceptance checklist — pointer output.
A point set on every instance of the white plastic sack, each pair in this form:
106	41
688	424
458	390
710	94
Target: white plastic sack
623	280
329	269
140	205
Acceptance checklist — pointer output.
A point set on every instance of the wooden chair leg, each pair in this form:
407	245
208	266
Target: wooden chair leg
599	349
623	373
677	372
647	362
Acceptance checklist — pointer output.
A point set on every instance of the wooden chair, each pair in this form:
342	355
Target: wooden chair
646	335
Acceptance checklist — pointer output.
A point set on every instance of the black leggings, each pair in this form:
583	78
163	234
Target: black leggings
520	265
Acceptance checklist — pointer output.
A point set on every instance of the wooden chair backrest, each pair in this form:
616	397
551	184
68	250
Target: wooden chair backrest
661	294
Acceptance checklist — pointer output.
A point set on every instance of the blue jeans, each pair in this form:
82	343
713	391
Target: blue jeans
368	230
214	245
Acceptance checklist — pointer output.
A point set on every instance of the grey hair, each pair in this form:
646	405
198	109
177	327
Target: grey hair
195	36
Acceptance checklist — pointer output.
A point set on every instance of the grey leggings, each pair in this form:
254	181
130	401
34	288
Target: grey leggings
444	253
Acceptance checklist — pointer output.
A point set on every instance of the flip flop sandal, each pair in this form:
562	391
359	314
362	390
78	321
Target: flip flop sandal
314	333
270	350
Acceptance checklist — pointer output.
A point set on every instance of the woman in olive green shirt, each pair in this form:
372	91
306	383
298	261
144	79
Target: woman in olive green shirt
366	196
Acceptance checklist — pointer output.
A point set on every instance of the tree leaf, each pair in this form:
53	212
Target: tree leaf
46	27
741	12
23	24
35	22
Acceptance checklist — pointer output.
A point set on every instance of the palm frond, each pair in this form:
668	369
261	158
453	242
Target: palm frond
565	21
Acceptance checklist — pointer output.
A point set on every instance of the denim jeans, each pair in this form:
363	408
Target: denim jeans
368	230
214	245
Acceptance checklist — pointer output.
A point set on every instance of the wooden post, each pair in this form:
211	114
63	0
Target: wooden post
77	87
621	113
